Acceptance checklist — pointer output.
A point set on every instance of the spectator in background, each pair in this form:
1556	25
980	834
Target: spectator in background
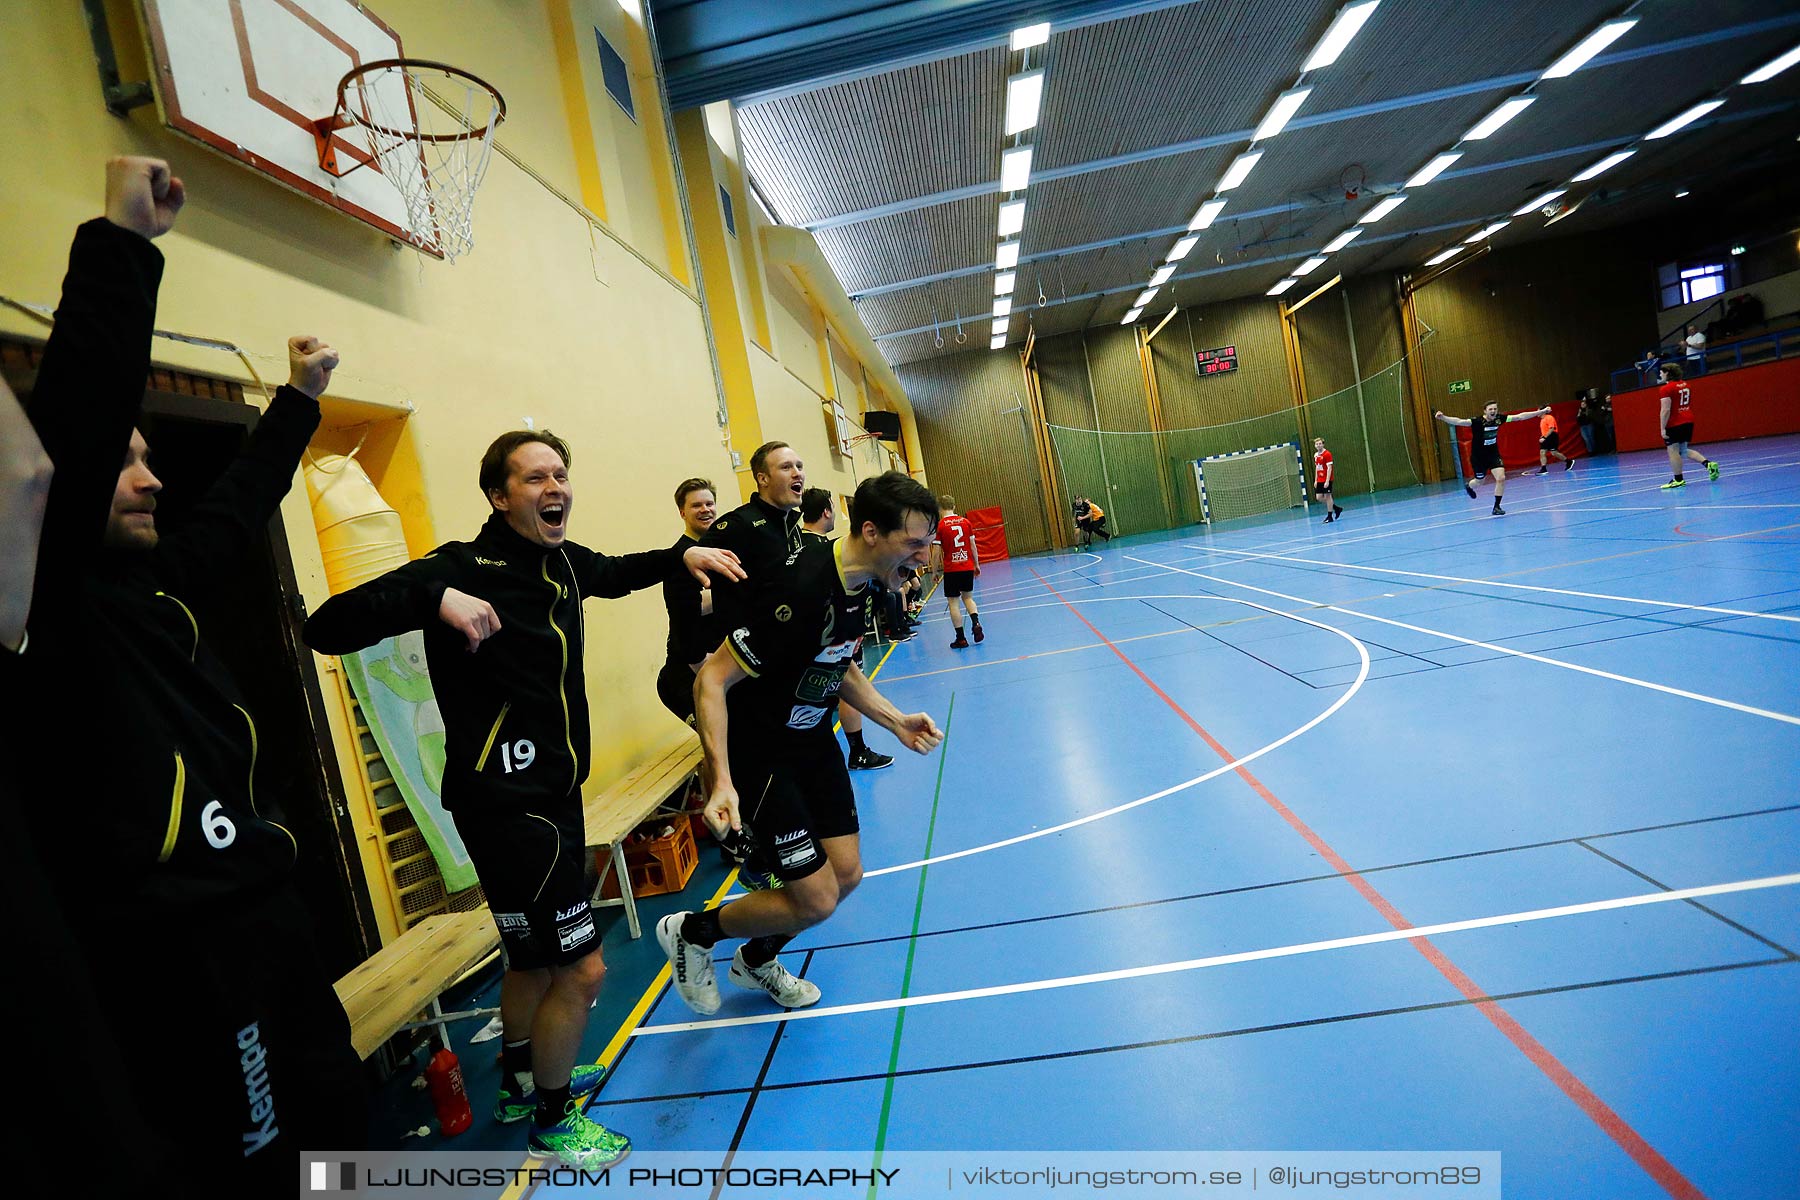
1647	366
1696	351
1584	417
1601	406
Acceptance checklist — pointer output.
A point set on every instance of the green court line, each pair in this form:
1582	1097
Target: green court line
912	943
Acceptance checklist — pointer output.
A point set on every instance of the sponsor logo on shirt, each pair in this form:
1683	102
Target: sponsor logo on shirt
805	716
783	613
490	562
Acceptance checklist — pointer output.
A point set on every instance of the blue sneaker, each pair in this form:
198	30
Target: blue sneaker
512	1105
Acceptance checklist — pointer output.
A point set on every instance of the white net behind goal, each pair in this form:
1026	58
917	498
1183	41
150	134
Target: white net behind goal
1249	482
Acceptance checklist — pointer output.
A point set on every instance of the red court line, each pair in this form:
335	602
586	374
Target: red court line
1602	1114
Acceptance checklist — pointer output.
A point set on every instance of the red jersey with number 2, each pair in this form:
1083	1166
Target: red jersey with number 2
957	537
1681	402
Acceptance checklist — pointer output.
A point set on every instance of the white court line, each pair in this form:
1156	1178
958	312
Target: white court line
1523	587
1243	956
1362	675
1752	710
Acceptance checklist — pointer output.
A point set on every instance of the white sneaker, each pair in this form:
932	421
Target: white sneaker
783	986
690	966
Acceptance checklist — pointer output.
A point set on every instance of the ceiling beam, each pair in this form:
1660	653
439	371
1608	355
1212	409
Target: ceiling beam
1465	223
1302	204
1495	83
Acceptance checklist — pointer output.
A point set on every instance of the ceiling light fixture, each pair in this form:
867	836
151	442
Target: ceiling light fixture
1343	239
1007	256
1015	169
1206	214
1181	248
1145	297
1003	306
1676	124
1012	217
1491	123
1003	283
1309	266
1131	317
1773	67
1024	97
998	342
1538	203
1589	46
1162	275
1445	257
1433	169
1348	22
1383	209
1239	170
1281	287
1281	112
1487	232
1681	194
1000	327
1030	35
1605	164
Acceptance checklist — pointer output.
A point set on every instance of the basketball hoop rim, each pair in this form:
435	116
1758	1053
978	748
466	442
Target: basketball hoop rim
348	116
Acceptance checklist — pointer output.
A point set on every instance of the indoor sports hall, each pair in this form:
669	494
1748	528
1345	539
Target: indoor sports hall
1363	626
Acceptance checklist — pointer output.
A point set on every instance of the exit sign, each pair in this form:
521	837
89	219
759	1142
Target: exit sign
1460	385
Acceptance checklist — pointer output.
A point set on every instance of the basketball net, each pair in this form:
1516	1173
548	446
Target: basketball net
431	131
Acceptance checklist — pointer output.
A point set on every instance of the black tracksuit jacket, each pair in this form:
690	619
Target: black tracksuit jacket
515	712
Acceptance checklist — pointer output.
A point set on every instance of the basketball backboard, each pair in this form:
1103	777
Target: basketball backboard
250	77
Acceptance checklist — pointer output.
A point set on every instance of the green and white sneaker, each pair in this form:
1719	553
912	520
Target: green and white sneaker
576	1141
1712	471
1674	483
512	1105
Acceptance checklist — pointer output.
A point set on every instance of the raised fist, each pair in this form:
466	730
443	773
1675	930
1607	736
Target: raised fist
310	364
142	196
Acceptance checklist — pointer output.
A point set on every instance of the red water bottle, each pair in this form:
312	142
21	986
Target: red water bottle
443	1075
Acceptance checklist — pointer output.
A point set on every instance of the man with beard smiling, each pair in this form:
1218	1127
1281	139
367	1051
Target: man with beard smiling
504	638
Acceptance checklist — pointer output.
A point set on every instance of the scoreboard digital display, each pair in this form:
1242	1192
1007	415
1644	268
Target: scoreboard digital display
1216	361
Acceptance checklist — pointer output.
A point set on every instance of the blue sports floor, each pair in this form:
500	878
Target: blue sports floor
1223	769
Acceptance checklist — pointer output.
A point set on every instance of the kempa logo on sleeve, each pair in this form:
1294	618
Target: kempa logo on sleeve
252	1059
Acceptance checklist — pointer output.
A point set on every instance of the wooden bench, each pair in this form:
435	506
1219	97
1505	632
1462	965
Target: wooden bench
408	974
613	814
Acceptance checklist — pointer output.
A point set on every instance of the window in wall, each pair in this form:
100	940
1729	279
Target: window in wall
1684	283
614	73
730	217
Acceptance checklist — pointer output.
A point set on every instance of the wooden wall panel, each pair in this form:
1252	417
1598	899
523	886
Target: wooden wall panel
1531	325
979	452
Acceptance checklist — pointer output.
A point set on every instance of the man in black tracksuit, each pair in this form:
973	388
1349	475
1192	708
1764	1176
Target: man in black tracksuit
503	631
762	533
139	778
689	605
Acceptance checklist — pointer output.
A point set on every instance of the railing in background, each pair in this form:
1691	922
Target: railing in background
1728	356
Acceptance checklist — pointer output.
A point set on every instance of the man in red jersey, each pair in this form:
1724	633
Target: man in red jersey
1676	420
1322	475
961	563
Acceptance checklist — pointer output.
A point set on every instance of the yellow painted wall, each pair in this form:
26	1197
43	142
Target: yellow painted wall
520	327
